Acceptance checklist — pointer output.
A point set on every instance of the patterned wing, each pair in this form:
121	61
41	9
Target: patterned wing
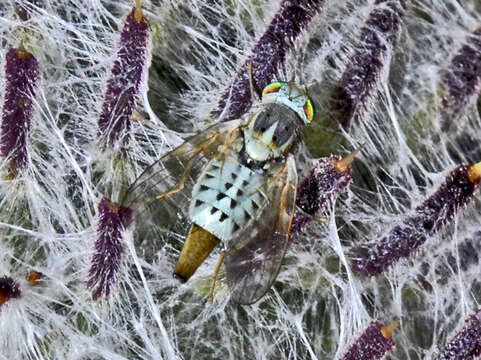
160	196
253	260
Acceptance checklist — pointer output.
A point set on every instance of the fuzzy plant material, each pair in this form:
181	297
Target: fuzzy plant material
466	344
327	178
24	8
128	71
109	247
9	289
427	218
372	344
21	75
461	79
377	37
109	87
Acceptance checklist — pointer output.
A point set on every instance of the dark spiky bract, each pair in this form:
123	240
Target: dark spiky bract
21	76
466	344
24	8
371	345
125	80
109	247
322	184
428	218
267	55
460	81
9	289
378	37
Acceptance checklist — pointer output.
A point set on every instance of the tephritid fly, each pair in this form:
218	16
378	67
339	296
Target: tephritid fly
238	180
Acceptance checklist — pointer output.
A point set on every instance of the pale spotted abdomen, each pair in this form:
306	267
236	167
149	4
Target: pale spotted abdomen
226	198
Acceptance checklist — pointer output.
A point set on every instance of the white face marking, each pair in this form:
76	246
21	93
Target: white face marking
267	136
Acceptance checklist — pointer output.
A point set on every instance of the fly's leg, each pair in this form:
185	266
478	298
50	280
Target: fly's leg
323	219
187	170
214	276
181	185
273	178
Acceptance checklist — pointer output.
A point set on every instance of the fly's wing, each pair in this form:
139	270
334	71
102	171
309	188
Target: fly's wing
160	196
253	260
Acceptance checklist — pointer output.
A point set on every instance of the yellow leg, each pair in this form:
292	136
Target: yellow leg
171	191
214	276
323	219
187	170
181	185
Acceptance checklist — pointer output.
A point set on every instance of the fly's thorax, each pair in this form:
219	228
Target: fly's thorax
271	132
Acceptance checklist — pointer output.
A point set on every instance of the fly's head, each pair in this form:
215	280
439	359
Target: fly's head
274	127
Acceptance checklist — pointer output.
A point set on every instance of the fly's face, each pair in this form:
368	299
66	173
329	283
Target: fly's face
274	127
292	96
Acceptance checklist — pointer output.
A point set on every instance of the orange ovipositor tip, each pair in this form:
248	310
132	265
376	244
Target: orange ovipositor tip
198	245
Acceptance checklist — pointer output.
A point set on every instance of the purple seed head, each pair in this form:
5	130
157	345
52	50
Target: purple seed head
21	75
24	8
9	289
323	183
466	344
460	81
431	216
373	343
378	37
267	55
125	79
109	247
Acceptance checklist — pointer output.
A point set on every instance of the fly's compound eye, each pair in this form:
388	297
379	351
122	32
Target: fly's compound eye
273	87
309	110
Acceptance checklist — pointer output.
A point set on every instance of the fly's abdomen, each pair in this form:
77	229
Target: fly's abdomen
226	198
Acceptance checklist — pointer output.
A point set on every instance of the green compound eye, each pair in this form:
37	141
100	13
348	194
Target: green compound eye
272	87
309	110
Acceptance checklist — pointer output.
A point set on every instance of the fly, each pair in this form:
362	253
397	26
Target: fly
238	181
